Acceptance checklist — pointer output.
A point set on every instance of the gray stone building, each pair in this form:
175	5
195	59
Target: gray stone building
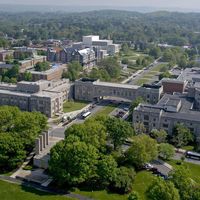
170	110
46	97
90	89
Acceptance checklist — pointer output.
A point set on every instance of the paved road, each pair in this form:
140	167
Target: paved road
123	107
59	130
179	155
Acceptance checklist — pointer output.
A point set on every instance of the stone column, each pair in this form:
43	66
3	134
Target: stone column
37	146
44	139
41	142
47	138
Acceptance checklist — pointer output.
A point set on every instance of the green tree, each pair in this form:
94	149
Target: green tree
182	181
166	74
139	128
166	151
134	196
27	76
91	132
135	103
111	65
42	66
142	150
159	135
181	135
12	152
161	189
73	71
123	182
125	48
155	52
106	169
73	161
118	131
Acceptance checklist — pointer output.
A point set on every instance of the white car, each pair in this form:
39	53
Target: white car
148	166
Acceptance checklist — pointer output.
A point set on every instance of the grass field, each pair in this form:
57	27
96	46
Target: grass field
106	110
149	75
70	106
142	81
9	191
193	169
132	55
142	181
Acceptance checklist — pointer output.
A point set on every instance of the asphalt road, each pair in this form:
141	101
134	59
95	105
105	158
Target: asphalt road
179	155
59	130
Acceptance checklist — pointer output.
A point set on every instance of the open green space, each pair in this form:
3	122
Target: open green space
9	191
159	68
106	110
142	181
70	106
194	170
188	148
132	55
149	75
142	81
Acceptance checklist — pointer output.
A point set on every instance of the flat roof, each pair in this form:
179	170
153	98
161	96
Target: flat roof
14	93
118	85
189	74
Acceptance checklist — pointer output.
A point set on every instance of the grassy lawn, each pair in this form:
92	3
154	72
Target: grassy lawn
142	181
142	81
9	191
102	195
70	106
132	55
106	110
193	169
148	76
159	68
188	148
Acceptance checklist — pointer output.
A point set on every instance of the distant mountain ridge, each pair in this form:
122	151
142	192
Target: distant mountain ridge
70	9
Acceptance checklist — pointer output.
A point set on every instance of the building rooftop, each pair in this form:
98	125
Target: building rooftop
185	112
118	85
14	93
190	74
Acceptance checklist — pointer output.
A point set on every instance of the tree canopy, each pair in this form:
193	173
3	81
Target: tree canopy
161	189
143	149
18	131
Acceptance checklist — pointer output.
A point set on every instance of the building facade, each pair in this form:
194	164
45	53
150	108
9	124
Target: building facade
170	110
90	89
46	97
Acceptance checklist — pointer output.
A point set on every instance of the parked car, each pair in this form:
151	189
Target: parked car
148	166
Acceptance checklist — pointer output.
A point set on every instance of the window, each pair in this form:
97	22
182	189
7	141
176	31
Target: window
191	129
146	117
165	125
146	123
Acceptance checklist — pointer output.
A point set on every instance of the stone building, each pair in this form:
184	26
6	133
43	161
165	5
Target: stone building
91	89
4	54
170	110
46	97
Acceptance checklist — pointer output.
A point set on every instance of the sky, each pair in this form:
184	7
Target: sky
189	4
